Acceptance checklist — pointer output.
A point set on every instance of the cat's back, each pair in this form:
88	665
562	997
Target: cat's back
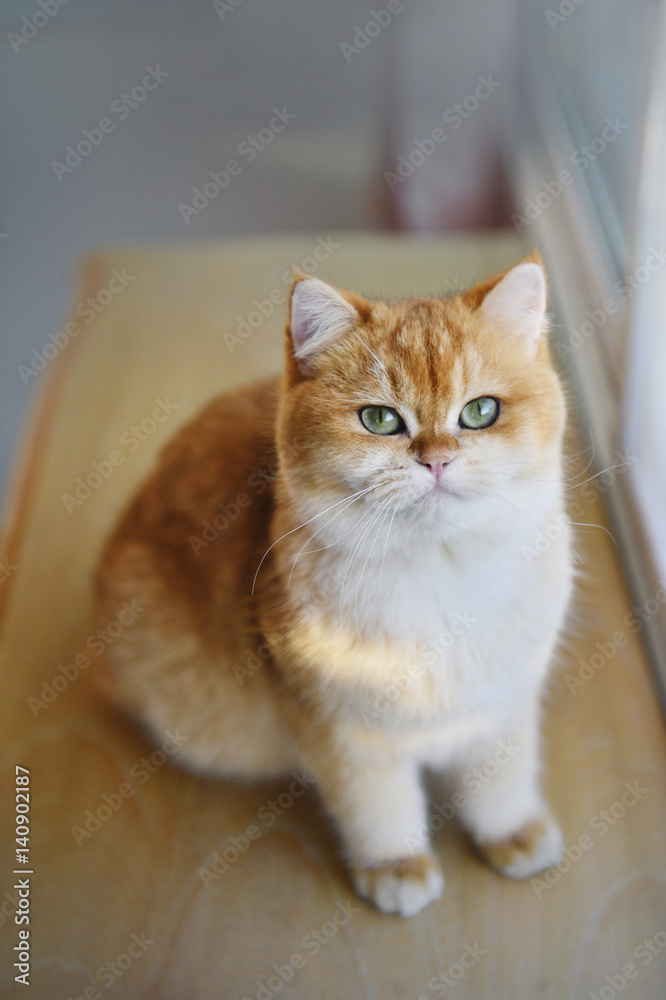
176	579
192	531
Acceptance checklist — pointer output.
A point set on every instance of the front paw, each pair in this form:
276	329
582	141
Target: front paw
403	886
537	845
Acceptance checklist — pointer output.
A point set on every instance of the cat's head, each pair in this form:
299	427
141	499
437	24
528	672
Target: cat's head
436	406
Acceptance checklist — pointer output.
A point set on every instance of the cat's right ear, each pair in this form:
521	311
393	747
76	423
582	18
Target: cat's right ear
318	315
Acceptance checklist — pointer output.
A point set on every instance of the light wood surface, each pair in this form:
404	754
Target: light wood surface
162	338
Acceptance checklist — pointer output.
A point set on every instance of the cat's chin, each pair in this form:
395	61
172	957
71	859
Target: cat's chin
449	513
435	506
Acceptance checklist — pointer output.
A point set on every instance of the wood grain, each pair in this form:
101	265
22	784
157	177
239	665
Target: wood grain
233	934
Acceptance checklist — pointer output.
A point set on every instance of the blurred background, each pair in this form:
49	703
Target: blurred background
171	120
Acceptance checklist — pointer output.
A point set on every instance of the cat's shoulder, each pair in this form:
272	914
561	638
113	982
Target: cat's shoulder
231	419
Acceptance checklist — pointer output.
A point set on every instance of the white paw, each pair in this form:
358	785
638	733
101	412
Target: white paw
403	887
536	846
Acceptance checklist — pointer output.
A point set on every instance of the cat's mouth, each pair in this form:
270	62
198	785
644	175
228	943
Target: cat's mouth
410	494
440	492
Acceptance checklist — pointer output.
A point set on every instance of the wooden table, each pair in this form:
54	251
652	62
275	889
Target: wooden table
123	906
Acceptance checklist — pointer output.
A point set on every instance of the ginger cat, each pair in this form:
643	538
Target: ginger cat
355	532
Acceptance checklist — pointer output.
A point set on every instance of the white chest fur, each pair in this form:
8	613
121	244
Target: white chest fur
423	632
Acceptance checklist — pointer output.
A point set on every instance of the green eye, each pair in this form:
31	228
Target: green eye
481	412
381	420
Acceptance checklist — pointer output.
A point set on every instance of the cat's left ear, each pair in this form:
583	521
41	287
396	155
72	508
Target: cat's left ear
516	305
319	314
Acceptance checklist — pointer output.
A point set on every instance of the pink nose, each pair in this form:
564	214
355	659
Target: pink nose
436	462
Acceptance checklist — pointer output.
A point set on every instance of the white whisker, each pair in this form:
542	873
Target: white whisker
611	468
298	527
384	508
352	501
363	529
584	524
388	534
